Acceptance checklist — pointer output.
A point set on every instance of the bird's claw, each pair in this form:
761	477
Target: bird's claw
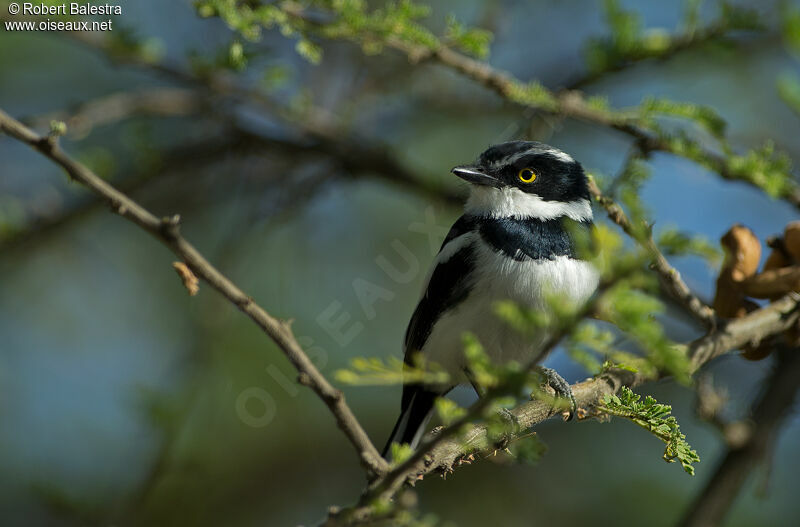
561	387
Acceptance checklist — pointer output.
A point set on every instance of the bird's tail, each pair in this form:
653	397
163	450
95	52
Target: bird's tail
411	424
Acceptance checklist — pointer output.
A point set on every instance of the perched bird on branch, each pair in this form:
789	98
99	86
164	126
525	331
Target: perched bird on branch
513	242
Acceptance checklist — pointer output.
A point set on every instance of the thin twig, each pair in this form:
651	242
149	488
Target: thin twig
167	230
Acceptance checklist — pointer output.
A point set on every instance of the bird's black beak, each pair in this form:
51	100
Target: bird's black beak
476	176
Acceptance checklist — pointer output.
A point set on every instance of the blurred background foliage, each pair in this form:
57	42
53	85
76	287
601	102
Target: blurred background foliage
124	401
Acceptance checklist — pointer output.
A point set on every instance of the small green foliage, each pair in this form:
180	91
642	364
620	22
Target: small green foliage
608	365
628	41
333	19
625	26
588	344
703	116
236	57
374	371
765	168
681	145
598	103
473	41
240	16
627	187
581	343
478	362
609	246
674	242
633	311
656	418
58	128
309	51
400	453
532	94
448	410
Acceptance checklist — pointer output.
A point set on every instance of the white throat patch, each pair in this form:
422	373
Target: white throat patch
509	201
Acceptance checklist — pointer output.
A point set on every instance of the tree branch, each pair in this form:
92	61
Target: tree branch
167	230
450	452
572	104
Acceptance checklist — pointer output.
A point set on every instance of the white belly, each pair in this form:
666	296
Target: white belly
500	278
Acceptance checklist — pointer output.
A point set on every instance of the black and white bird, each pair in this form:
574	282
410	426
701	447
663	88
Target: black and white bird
511	243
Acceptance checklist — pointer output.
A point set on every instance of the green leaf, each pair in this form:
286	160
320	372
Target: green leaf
448	410
478	362
400	453
657	419
375	372
473	41
676	243
704	116
765	168
309	51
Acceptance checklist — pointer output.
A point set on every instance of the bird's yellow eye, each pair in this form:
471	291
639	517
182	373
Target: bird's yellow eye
527	175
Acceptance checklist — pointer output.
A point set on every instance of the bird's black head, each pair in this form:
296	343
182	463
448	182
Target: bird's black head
526	179
529	167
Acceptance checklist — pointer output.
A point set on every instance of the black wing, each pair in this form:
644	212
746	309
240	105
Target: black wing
449	285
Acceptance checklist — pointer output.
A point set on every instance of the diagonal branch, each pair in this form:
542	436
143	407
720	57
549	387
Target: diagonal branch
167	230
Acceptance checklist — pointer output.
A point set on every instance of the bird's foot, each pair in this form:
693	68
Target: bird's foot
561	387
